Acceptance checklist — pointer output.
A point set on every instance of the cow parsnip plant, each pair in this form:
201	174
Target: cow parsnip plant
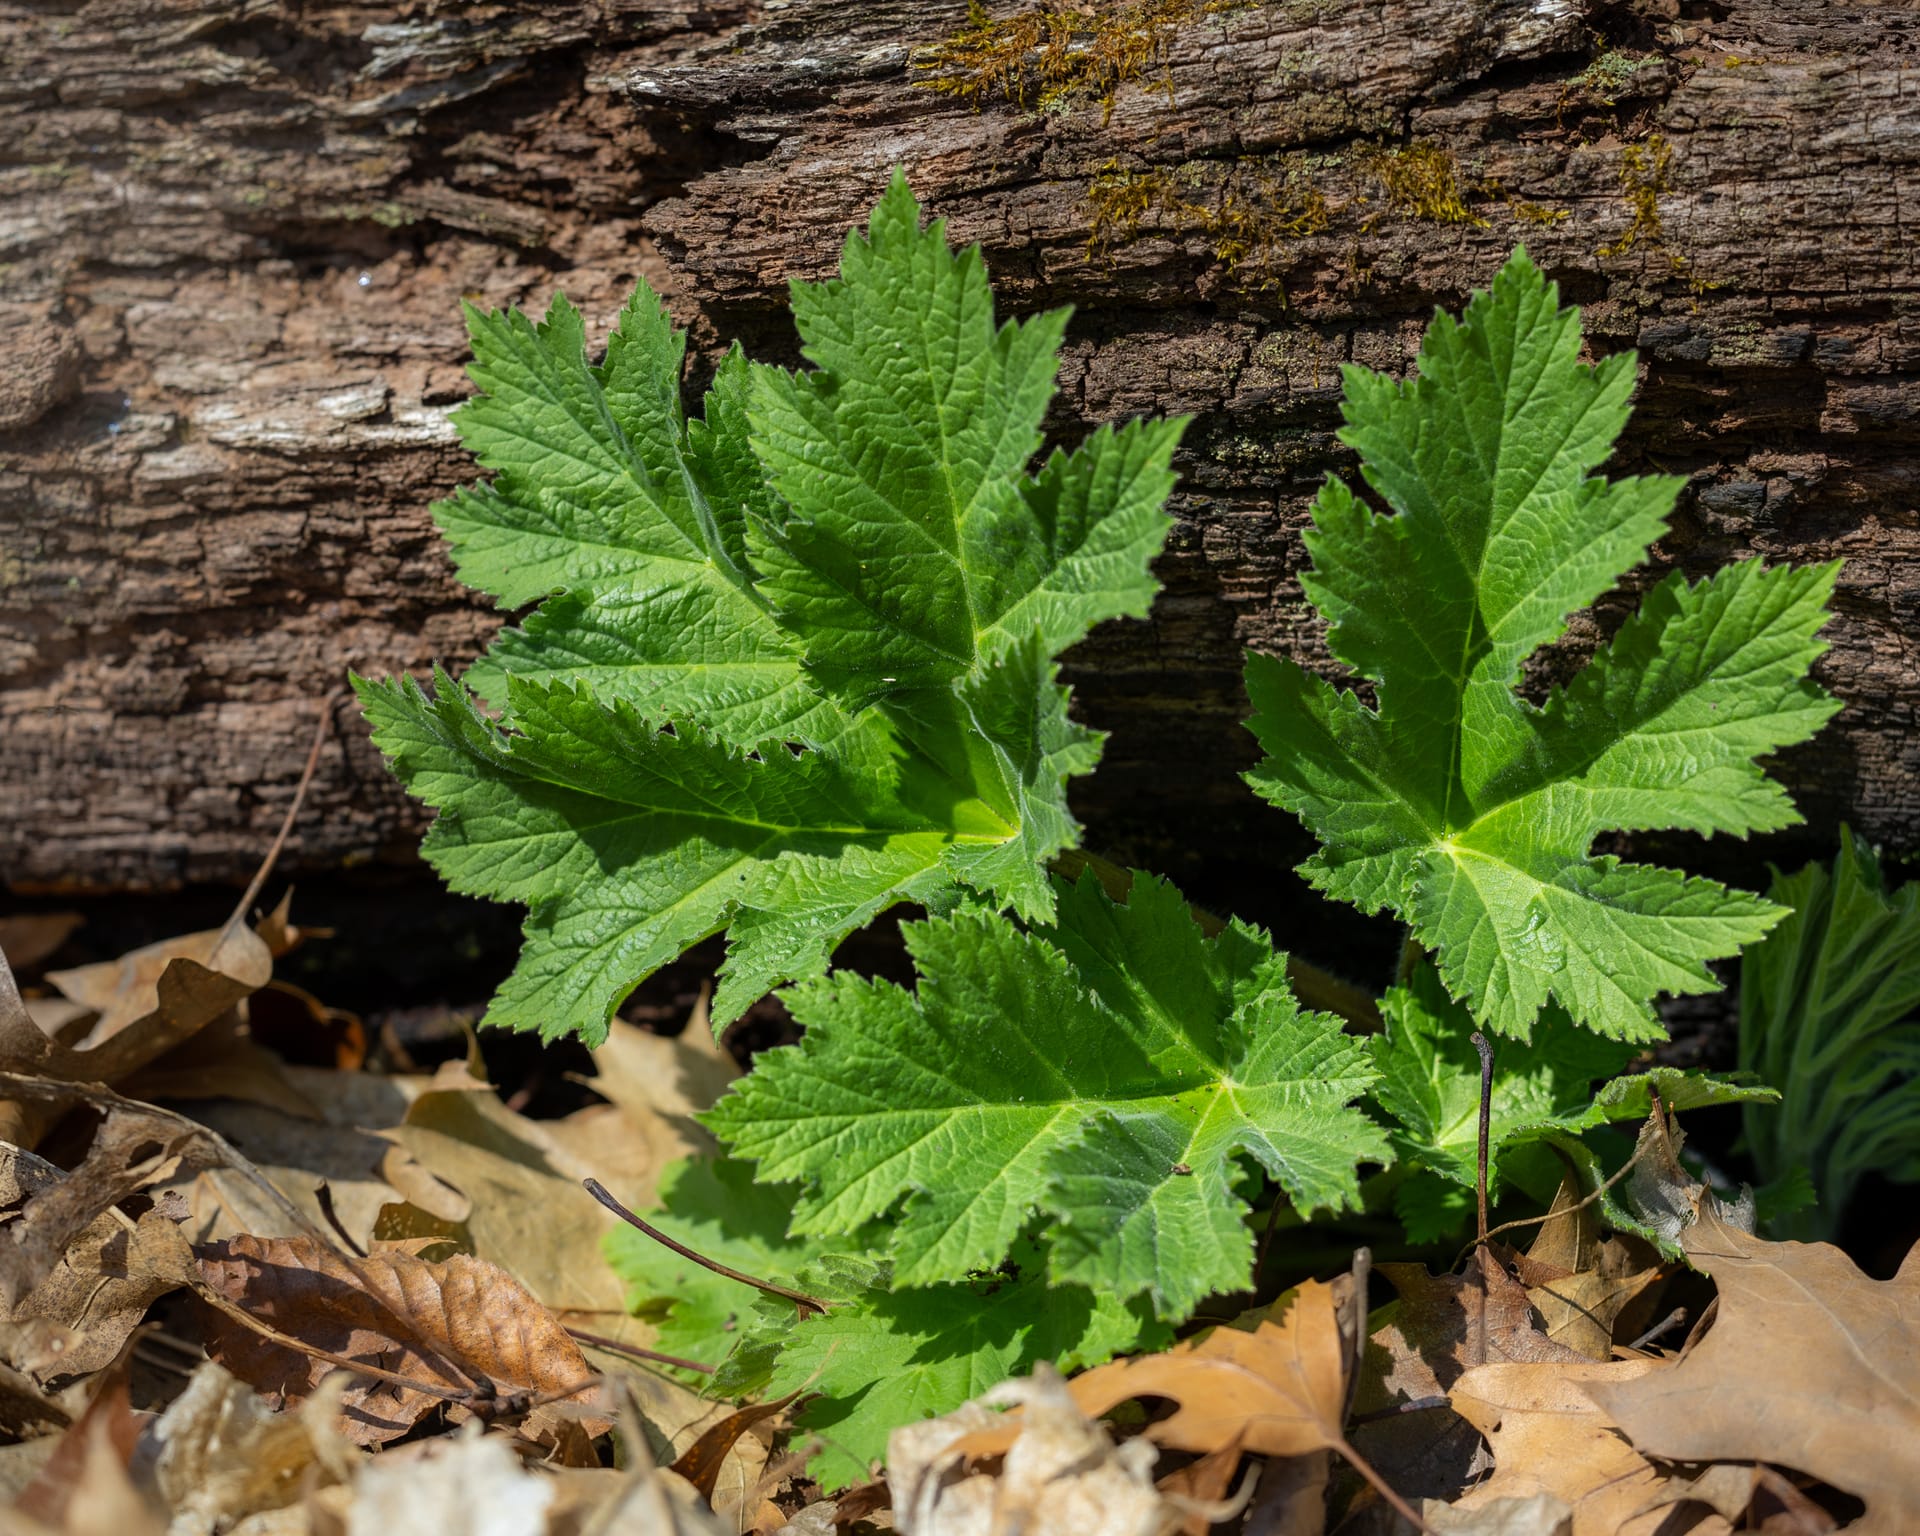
1468	811
793	663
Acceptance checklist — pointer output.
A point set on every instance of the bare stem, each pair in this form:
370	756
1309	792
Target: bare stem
320	731
1666	1325
1486	1133
800	1299
615	1347
1398	1505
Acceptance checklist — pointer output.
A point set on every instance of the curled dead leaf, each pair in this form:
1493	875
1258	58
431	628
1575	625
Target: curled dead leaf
462	1333
1279	1389
146	1003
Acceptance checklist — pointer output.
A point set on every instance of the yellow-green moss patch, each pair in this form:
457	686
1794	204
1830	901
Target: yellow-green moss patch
1248	210
1058	51
1421	182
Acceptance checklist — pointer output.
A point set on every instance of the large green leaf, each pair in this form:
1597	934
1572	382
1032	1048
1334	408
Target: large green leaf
915	545
1110	1072
1453	801
793	662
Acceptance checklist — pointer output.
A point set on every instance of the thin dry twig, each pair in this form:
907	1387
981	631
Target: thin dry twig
1666	1324
799	1298
652	1356
1486	1132
1565	1210
247	898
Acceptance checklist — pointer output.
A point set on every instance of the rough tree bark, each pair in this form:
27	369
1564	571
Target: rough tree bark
235	238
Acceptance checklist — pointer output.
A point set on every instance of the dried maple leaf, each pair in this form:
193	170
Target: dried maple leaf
1810	1365
462	1330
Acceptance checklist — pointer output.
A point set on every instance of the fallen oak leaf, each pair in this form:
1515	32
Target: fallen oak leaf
423	1334
1792	1315
1548	1437
158	995
1279	1389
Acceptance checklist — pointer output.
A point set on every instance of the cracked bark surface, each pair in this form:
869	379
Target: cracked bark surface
236	238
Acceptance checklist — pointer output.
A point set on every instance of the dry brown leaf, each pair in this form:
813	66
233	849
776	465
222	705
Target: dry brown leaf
457	1326
31	937
1277	1390
1726	1487
221	1061
1445	1324
700	1463
1810	1364
1548	1437
147	1002
77	1320
1201	1487
135	1146
158	995
1582	1310
1061	1471
529	1213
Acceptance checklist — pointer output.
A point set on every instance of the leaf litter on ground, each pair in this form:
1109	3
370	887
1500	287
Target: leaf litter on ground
81	1274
